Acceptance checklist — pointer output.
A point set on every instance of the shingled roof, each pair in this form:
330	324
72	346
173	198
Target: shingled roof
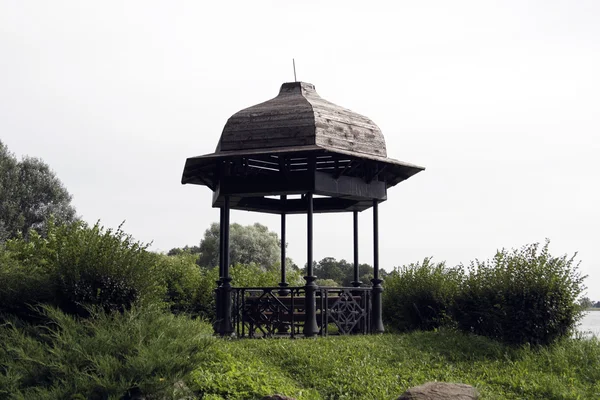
298	116
298	122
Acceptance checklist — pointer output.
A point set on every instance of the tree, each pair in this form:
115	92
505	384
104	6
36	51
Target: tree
30	193
342	271
176	251
247	244
586	303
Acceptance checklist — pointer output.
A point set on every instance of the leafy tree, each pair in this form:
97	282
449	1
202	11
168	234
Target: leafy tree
597	305
176	251
586	303
247	244
30	193
342	271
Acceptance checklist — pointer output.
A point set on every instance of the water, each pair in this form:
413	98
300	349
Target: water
590	324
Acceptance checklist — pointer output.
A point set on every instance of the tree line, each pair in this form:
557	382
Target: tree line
255	244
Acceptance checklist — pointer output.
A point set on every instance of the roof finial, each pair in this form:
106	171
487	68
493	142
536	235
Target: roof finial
294	63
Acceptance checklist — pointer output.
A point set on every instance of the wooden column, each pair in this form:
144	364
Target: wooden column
226	327
310	322
283	284
356	282
377	290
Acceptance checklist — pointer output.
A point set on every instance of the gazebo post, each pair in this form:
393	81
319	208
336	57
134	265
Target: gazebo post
356	282
310	322
226	328
283	284
219	316
377	321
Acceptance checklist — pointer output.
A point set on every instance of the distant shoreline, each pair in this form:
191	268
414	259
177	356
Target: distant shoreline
592	309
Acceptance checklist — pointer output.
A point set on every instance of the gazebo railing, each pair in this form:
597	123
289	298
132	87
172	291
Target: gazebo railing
273	311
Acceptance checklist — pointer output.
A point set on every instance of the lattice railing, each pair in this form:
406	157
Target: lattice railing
269	311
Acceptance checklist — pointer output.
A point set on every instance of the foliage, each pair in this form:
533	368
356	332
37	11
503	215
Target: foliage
523	296
252	275
384	366
176	251
248	244
585	303
77	265
189	288
420	295
23	285
342	271
327	283
29	194
146	351
140	352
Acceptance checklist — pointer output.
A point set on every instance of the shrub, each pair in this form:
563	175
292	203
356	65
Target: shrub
189	288
140	352
77	265
21	286
327	283
252	275
420	296
523	296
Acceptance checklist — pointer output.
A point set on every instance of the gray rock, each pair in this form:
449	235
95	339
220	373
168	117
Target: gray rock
441	391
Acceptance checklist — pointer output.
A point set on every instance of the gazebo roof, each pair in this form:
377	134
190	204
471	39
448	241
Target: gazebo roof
298	131
298	116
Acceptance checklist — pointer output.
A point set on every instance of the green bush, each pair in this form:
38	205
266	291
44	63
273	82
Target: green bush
253	275
523	296
22	286
189	288
420	296
140	352
76	265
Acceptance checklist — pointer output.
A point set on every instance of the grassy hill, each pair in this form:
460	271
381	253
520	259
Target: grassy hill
119	356
382	367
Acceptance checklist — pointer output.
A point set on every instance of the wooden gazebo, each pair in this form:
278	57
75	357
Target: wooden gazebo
298	144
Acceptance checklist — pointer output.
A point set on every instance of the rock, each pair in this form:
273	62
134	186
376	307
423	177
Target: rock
182	392
277	397
441	391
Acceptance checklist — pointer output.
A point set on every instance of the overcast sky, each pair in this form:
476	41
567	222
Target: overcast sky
499	100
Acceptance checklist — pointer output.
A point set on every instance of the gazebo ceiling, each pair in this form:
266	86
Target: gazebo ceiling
295	143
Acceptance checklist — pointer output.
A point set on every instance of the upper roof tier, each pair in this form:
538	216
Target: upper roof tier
291	144
298	116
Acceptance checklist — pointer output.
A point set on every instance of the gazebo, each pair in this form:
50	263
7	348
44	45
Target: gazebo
298	154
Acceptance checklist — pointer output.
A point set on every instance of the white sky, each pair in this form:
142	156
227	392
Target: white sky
500	100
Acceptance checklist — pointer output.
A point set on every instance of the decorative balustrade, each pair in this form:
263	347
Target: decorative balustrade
273	311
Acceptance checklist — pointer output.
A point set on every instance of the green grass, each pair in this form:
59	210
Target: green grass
148	351
382	367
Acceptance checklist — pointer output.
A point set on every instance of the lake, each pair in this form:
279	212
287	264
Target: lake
590	324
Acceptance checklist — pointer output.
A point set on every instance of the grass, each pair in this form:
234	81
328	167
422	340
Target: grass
382	367
150	352
107	356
